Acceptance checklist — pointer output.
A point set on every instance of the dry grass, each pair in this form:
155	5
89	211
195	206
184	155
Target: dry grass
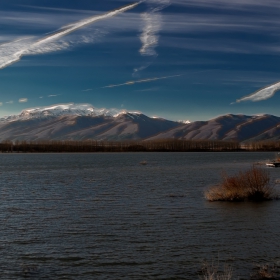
252	185
211	272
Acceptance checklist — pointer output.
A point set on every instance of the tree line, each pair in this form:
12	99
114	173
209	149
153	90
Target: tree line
56	146
173	145
264	145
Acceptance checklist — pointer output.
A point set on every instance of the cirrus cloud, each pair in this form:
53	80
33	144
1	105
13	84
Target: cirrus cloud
152	25
22	100
261	94
13	51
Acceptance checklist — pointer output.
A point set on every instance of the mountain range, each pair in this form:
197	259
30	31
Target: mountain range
83	122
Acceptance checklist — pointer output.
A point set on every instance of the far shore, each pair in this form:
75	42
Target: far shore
169	145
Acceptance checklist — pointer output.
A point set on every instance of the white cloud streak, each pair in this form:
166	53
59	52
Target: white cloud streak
1	103
152	25
141	81
261	94
22	100
13	51
54	95
222	4
149	36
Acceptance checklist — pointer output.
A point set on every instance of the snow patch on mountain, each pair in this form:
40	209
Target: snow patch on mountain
65	110
184	121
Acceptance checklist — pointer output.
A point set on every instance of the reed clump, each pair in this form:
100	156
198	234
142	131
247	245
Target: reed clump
212	271
249	185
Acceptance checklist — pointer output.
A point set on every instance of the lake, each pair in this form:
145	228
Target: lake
106	216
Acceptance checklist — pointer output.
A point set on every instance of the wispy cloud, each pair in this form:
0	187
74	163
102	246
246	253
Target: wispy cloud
13	51
10	102
1	103
261	94
22	100
148	89
50	96
129	83
149	36
54	95
152	25
221	4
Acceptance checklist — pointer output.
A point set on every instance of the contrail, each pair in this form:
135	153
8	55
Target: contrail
261	94
13	51
72	27
141	81
15	41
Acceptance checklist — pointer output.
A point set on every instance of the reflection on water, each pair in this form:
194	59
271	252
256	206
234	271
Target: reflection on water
105	216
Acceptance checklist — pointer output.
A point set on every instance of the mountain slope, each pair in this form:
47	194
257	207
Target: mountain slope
83	122
228	127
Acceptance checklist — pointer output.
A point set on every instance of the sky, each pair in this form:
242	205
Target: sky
176	59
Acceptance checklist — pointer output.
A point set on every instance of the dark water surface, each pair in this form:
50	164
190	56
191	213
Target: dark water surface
105	216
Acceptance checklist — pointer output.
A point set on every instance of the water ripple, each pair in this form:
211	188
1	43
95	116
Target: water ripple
105	216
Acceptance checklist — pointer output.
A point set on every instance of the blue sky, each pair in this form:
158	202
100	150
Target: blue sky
213	52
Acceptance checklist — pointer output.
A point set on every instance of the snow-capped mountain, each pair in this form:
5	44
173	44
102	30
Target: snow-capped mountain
80	122
227	127
83	122
64	110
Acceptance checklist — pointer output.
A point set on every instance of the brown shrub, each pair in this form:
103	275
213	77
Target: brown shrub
252	184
